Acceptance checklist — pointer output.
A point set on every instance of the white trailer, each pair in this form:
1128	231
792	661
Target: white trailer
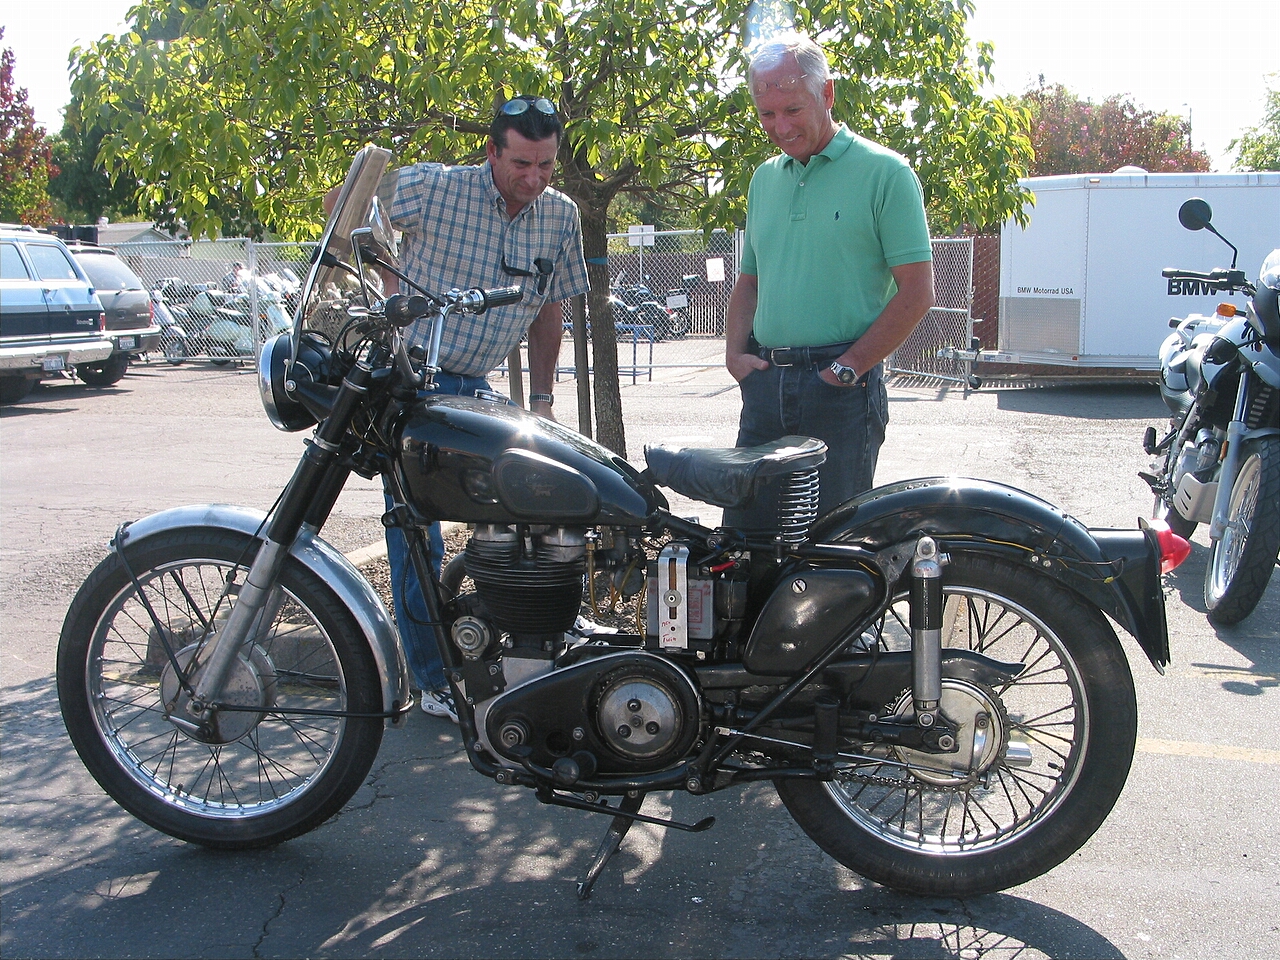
1080	286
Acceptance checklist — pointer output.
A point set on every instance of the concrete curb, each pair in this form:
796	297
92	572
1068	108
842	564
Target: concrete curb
378	550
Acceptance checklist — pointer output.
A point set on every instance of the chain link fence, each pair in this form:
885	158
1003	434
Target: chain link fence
949	323
668	294
222	298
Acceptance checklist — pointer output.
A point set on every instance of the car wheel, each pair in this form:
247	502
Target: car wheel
13	389
104	374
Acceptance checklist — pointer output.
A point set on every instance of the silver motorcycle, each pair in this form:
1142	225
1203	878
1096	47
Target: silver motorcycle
1219	462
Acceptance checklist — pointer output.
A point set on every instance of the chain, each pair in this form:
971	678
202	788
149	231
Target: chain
846	775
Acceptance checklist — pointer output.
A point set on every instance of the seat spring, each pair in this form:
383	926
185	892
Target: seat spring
798	506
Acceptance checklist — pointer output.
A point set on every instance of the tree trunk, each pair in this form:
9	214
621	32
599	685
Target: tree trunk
604	341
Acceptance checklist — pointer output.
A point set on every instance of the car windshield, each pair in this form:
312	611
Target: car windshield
108	272
333	286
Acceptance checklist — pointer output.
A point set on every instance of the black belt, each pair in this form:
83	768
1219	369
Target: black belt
800	356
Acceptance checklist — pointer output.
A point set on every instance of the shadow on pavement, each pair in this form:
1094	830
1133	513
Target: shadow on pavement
429	860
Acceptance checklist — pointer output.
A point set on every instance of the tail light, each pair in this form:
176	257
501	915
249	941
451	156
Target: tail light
102	323
151	306
1173	548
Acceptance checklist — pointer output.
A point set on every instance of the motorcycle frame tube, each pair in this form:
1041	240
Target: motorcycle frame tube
322	559
981	516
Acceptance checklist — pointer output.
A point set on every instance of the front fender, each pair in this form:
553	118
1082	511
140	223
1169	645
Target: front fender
322	559
1117	571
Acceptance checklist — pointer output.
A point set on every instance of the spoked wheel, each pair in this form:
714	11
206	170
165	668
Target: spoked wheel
1042	758
1240	564
260	773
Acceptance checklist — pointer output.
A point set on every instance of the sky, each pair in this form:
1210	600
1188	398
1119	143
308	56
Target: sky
1207	59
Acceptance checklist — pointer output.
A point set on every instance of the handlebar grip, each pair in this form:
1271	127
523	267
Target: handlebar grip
501	296
402	310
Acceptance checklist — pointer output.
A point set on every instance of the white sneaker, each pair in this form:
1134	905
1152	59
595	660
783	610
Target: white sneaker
439	703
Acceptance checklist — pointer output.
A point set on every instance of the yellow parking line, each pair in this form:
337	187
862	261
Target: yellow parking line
1210	751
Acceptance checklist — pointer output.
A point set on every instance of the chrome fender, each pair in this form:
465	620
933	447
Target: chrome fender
1117	571
322	559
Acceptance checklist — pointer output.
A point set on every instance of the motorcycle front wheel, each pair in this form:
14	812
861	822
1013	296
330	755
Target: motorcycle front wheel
269	772
1042	757
1240	564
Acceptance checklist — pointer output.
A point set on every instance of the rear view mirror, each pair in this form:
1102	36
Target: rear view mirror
1195	214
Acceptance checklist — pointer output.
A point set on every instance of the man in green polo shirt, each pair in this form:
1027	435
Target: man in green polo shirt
836	272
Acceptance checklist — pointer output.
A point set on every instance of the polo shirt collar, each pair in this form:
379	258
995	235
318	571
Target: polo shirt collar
836	146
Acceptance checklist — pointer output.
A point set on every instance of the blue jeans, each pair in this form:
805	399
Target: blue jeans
416	634
795	401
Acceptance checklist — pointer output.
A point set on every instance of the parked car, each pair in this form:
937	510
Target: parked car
51	320
131	321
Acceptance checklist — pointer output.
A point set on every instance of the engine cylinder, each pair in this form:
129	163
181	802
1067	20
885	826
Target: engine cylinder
527	594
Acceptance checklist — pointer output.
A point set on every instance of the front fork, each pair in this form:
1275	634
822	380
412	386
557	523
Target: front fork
318	477
1230	465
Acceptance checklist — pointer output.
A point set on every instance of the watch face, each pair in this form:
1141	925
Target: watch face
845	375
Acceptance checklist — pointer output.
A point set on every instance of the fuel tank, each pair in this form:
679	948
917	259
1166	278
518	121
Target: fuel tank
477	461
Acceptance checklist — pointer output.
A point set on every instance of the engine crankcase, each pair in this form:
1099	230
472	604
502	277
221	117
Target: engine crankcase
632	711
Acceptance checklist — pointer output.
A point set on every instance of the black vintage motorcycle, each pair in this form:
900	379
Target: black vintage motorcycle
925	674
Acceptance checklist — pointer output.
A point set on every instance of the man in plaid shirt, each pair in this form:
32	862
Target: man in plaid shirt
493	225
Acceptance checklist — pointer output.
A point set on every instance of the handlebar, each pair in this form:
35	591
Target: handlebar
402	310
1219	278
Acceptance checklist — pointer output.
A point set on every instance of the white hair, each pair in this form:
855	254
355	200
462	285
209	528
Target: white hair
809	57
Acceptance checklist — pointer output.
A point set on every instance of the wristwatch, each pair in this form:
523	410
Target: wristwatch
846	375
546	398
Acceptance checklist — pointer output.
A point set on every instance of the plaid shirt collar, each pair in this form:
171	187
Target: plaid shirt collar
495	198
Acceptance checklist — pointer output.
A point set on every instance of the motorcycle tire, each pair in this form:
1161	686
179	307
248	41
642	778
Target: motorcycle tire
1057	743
1240	564
271	775
104	373
175	351
1178	524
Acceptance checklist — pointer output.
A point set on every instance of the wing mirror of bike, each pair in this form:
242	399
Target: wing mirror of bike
1195	214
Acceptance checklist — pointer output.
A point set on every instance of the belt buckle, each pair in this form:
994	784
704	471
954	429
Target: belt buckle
773	356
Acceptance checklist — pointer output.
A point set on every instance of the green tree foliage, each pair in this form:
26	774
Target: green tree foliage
25	159
1258	148
1071	135
244	113
82	189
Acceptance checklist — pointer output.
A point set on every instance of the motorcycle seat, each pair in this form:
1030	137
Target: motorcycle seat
727	476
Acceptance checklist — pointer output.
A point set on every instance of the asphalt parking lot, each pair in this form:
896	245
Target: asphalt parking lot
430	859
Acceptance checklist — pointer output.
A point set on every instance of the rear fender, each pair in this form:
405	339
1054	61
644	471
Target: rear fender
1117	571
322	559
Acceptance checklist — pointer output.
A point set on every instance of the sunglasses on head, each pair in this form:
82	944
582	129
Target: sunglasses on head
758	87
541	264
518	105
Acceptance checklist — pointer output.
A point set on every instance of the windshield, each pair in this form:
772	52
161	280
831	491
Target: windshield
333	283
1269	275
108	272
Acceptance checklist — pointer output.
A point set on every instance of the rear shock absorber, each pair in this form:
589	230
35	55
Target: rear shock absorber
926	631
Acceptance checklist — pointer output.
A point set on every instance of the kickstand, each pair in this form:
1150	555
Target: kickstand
609	845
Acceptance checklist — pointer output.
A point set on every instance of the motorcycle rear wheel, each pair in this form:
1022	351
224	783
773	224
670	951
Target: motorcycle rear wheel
1060	739
1240	564
276	775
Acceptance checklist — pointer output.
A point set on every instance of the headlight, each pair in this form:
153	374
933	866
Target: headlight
283	411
